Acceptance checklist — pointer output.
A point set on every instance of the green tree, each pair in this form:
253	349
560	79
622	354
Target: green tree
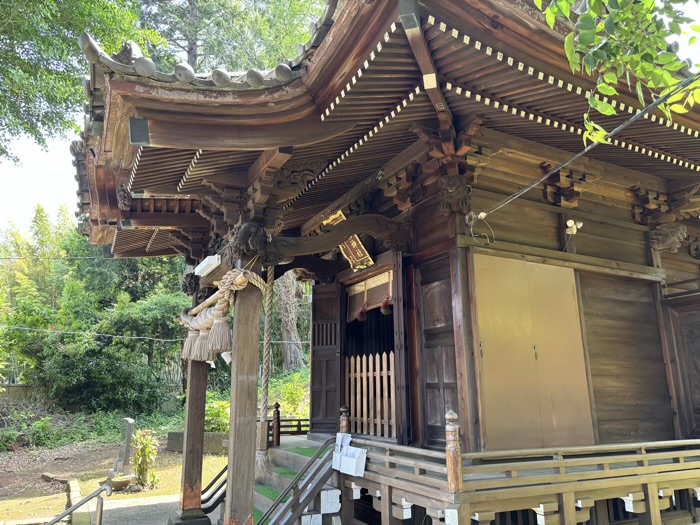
233	34
41	66
627	43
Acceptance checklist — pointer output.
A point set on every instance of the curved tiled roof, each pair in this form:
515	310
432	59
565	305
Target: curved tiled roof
131	62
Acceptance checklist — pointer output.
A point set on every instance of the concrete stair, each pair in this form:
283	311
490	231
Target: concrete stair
286	463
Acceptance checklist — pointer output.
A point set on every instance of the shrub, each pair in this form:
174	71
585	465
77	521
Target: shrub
145	447
112	378
8	439
41	433
291	391
217	414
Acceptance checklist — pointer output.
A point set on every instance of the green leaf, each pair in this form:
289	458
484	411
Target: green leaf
610	25
696	95
613	4
607	90
586	23
550	16
610	77
695	28
665	57
640	93
538	3
601	107
586	38
570	51
679	108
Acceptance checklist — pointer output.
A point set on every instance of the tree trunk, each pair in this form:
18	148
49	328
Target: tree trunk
289	312
192	40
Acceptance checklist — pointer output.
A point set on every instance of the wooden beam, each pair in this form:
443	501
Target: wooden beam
271	159
674	186
141	252
535	152
414	152
409	12
377	226
261	177
584	263
165	134
164	220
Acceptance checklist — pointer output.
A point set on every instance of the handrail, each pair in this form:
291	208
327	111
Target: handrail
293	484
106	488
206	497
582	450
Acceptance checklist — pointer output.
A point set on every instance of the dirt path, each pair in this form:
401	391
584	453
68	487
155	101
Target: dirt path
21	471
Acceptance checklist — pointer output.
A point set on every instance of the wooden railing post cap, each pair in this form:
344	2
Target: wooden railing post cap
276	406
452	421
344	411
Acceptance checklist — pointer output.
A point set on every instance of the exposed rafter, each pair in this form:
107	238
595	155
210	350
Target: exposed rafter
224	137
410	19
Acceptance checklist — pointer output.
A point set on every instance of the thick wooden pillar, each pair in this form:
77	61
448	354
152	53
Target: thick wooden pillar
238	509
190	511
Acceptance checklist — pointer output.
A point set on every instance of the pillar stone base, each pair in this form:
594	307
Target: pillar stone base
189	517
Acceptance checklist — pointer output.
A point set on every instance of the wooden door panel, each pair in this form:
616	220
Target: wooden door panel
511	414
327	322
564	401
533	373
439	388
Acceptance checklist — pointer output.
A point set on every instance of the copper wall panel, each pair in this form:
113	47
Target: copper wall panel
533	376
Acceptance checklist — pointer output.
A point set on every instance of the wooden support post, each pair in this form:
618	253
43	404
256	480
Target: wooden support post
276	425
453	454
344	420
652	516
238	509
601	513
567	508
387	506
193	447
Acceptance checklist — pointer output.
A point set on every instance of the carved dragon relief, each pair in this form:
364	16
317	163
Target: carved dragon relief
293	178
668	237
123	197
189	283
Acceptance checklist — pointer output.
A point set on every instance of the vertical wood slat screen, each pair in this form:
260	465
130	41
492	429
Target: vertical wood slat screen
370	394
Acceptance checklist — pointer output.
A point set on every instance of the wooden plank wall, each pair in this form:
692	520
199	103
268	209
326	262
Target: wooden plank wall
629	384
627	368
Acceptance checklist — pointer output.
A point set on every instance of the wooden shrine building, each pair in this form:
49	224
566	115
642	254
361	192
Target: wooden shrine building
543	364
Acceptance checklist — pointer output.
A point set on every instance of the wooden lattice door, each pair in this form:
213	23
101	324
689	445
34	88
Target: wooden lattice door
326	340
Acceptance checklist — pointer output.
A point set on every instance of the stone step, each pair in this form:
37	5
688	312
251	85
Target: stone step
292	459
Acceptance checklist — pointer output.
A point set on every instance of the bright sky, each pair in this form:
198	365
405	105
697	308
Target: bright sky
40	177
46	177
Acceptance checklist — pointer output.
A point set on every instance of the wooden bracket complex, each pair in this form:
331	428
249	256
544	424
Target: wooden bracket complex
250	239
564	187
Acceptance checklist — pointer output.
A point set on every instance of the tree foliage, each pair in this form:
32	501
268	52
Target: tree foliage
627	43
41	65
232	34
59	294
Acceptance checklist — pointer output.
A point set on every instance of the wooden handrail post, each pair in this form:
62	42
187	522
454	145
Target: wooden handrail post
453	454
276	425
344	420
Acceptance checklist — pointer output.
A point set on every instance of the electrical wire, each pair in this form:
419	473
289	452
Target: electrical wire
483	214
52	258
44	330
